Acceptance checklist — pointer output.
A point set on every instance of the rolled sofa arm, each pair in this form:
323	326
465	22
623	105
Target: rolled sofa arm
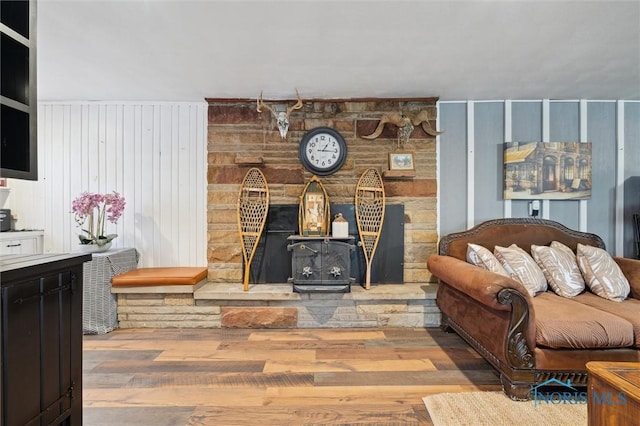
498	293
480	284
631	270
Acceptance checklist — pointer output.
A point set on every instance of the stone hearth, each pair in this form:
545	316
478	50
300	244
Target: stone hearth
277	306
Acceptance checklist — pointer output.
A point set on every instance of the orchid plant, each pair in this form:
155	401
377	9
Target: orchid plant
91	210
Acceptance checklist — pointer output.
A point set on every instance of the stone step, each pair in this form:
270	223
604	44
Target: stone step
267	292
278	306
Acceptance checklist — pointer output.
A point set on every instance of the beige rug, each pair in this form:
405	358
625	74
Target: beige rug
495	408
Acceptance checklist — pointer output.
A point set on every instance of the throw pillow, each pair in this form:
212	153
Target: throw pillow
482	257
558	264
602	274
521	267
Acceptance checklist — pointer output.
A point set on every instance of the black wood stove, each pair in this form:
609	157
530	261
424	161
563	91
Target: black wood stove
321	264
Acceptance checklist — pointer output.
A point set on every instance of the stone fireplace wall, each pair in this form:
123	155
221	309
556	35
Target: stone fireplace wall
239	138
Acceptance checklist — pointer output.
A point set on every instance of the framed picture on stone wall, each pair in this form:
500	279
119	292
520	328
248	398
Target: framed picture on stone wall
401	160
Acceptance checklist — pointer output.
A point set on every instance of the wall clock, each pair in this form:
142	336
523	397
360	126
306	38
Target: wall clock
323	151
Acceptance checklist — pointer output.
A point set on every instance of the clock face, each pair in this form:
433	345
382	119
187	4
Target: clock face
323	151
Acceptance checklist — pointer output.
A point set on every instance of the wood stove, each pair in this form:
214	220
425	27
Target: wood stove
272	261
321	264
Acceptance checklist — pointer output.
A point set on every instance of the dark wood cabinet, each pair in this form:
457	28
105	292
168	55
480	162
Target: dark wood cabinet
18	100
42	339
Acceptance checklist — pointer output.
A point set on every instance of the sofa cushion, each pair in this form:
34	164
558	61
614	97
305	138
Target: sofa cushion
629	310
566	323
482	257
522	268
558	264
601	273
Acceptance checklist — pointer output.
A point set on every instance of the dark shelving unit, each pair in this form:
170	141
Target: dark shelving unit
18	101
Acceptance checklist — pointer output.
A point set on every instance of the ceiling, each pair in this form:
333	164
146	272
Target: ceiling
183	50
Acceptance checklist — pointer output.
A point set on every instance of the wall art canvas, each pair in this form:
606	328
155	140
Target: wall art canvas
547	170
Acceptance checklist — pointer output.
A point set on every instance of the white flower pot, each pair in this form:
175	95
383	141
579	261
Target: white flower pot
94	248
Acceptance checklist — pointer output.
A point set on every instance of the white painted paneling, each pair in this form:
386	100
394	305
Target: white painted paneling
583	139
471	174
154	154
508	137
619	213
546	130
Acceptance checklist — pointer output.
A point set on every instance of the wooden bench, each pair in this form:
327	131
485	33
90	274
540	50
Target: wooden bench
160	280
163	297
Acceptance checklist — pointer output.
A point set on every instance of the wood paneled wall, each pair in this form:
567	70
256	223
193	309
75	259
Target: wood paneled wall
154	154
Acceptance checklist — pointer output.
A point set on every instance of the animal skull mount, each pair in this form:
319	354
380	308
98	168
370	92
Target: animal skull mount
405	123
282	117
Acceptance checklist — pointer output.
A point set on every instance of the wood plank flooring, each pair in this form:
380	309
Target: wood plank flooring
175	377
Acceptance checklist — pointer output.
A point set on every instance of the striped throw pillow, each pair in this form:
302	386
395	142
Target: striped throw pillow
521	267
558	264
482	257
601	273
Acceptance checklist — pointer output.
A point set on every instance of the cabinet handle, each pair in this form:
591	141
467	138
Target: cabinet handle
14	245
21	300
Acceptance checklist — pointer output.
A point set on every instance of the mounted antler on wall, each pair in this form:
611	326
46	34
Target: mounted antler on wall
282	117
422	118
404	126
405	122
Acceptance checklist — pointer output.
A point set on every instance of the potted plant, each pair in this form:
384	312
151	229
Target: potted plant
91	211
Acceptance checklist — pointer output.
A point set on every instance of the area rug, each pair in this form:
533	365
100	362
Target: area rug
495	408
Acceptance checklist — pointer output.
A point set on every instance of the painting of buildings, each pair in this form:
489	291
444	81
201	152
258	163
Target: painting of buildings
547	170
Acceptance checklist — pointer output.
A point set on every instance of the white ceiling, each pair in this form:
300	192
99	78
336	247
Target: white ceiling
183	50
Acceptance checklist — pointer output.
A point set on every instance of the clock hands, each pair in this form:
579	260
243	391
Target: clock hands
327	150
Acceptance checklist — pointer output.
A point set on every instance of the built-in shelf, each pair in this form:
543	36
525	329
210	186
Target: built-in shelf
399	174
18	100
245	159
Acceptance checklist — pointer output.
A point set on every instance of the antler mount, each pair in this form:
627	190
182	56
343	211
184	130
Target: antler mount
406	122
281	117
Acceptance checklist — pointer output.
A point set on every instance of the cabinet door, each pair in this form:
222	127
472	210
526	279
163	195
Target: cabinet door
55	357
21	352
37	352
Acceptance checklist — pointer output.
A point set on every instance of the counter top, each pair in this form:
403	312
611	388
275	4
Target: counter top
10	264
20	233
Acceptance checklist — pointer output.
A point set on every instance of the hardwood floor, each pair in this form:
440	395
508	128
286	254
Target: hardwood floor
171	377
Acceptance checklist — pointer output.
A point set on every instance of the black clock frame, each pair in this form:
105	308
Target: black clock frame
310	166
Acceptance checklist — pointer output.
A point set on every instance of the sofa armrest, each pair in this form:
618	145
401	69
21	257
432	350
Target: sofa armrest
631	270
497	293
480	284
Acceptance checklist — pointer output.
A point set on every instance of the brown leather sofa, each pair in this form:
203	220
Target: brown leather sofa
497	316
